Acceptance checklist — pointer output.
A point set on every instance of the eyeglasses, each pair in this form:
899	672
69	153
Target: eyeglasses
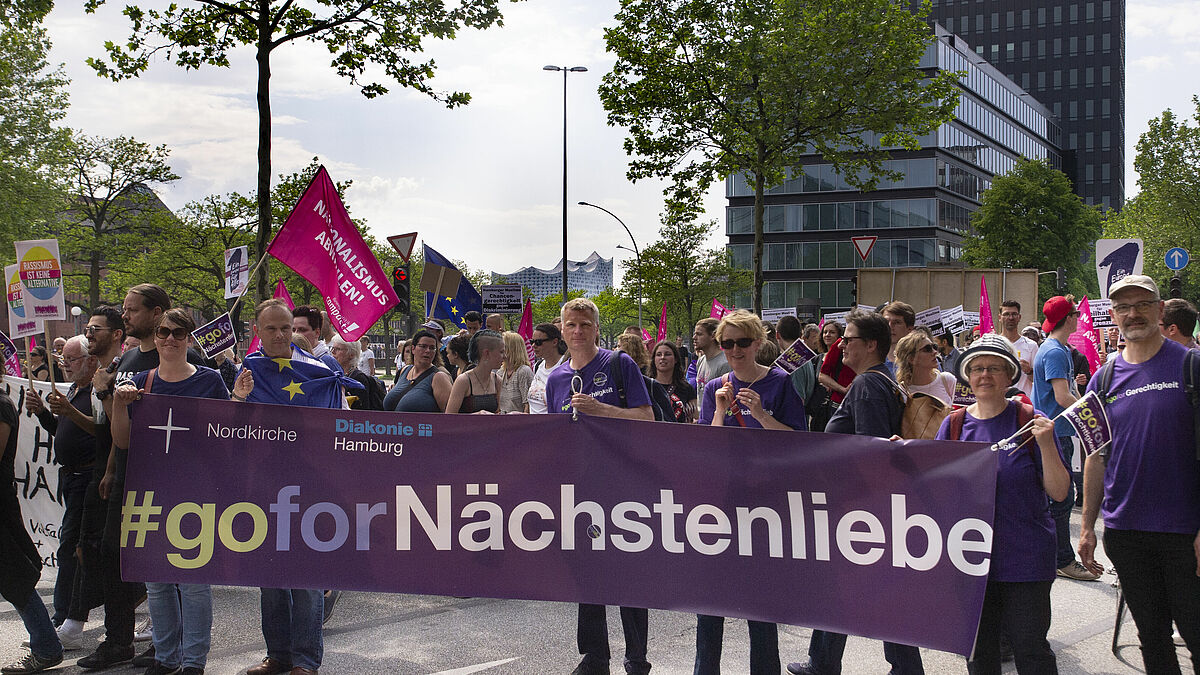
928	348
990	370
1141	307
847	338
89	330
74	359
744	343
162	333
424	346
538	342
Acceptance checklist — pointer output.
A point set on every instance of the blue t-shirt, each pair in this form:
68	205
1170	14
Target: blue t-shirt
1152	479
871	407
1053	362
779	400
204	383
1023	535
596	380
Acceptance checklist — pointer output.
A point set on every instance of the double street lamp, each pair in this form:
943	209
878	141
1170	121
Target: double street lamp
565	70
636	253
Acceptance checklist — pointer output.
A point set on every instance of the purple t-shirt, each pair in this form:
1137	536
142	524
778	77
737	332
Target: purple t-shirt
597	380
1023	537
779	399
1152	480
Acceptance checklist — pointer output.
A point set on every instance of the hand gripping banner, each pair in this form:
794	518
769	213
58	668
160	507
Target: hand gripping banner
845	533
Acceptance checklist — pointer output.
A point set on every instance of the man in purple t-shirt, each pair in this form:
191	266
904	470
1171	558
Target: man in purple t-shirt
587	385
1147	485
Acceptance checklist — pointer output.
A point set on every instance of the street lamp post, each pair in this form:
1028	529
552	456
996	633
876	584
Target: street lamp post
565	70
636	252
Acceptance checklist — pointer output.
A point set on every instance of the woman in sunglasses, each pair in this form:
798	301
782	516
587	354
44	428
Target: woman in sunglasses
181	614
754	396
1030	468
917	367
551	351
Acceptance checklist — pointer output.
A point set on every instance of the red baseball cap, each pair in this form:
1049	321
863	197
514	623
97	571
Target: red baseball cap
1055	310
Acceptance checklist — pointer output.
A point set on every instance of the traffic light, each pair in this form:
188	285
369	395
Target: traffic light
400	281
1060	279
1176	286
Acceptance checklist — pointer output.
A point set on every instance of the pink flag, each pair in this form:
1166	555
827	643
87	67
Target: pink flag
321	243
525	330
12	363
718	310
281	292
985	309
1086	337
32	342
662	325
645	336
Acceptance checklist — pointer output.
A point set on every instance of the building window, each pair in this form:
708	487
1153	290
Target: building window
1010	19
995	21
1058	15
1041	80
1072	45
1073	107
1041	17
1106	170
1106	9
1041	49
1089	76
1105	108
1091	11
1025	19
1089	139
1105	42
1105	140
1106	75
1074	76
1057	80
1074	13
1057	45
1089	44
1025	49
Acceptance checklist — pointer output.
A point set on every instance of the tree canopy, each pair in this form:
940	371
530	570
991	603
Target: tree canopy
710	89
359	34
1030	218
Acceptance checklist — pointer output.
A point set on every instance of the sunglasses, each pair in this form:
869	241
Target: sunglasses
538	342
162	333
929	348
744	343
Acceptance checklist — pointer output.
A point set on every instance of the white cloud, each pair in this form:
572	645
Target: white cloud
1152	62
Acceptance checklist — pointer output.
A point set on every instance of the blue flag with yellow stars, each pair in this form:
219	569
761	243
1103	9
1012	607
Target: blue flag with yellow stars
302	379
466	300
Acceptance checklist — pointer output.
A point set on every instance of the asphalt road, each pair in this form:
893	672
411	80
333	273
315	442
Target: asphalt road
409	634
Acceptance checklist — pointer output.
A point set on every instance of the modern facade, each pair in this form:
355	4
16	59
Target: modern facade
1070	55
592	275
921	219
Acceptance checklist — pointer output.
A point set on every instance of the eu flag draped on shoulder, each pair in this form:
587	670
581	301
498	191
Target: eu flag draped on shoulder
466	300
302	379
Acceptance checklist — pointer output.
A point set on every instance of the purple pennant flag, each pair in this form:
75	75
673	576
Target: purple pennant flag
782	526
796	355
1089	419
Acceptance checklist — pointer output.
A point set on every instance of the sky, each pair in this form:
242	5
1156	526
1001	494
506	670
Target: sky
480	183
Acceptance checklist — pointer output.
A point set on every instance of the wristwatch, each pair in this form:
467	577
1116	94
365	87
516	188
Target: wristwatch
103	393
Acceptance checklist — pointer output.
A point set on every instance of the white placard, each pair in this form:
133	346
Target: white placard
502	299
40	269
971	319
952	319
237	271
835	317
1117	259
19	324
930	317
777	314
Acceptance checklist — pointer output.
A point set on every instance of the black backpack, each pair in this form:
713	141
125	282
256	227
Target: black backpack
660	400
1191	362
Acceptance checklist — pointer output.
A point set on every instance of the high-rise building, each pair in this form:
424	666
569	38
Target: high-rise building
592	275
1070	54
919	219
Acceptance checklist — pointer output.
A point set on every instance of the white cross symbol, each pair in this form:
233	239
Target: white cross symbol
169	428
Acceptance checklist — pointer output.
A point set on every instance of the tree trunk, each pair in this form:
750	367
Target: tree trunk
264	146
94	279
759	208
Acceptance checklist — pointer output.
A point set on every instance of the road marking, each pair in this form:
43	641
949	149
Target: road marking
476	668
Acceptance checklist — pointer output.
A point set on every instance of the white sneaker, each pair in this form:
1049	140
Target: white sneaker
71	639
142	632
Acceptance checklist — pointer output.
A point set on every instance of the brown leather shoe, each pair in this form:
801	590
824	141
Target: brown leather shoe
269	666
303	671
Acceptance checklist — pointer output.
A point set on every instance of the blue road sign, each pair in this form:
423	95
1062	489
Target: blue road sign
1177	259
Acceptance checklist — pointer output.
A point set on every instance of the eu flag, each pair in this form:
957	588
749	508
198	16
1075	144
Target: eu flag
466	300
302	379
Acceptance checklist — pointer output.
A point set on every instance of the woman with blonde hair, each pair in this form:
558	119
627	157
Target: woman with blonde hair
515	374
917	368
635	348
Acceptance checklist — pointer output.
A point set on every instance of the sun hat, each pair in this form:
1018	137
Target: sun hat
989	344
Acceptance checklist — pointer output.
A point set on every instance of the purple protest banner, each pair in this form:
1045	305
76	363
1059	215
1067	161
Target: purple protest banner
851	534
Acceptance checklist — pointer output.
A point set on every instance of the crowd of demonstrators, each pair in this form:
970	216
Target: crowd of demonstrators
917	368
666	368
181	614
70	419
1054	390
551	352
581	330
1026	349
1146	484
478	389
1017	600
516	375
424	385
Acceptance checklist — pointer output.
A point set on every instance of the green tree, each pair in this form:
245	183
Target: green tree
1166	212
710	89
360	34
114	214
678	271
1030	218
617	310
547	308
33	148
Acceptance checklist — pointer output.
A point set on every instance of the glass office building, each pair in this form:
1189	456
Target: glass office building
1070	55
920	219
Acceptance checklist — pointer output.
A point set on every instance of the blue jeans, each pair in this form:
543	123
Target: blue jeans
825	655
764	646
43	640
1064	553
181	616
291	626
74	487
